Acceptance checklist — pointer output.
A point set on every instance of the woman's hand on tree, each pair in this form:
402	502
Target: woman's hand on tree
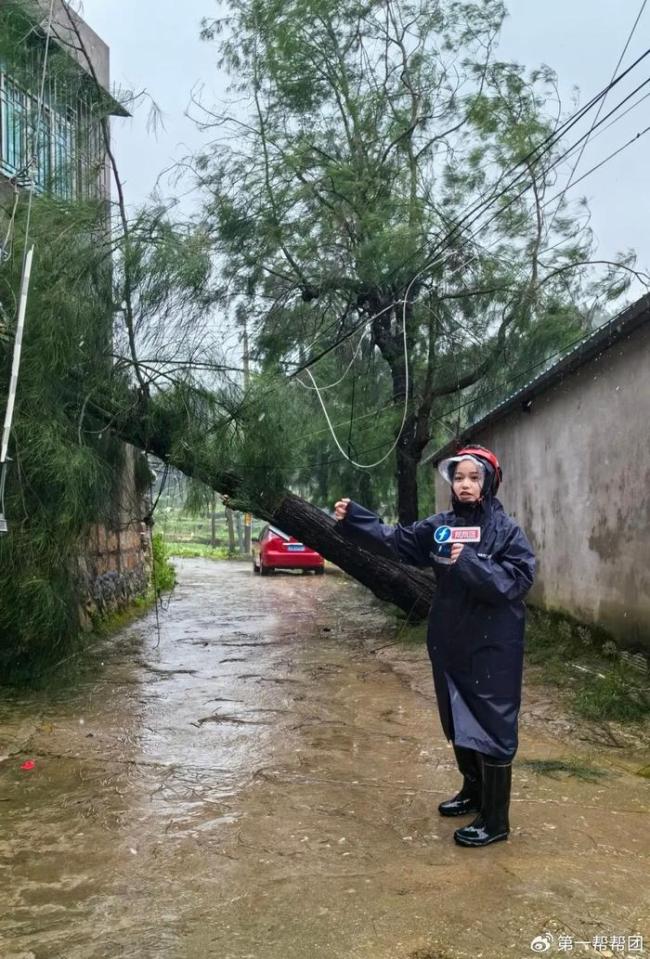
341	509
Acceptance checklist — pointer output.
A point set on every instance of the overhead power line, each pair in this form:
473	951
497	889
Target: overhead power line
600	107
615	153
487	198
528	186
474	213
534	156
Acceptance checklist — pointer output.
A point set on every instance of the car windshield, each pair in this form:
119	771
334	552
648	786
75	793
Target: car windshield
278	532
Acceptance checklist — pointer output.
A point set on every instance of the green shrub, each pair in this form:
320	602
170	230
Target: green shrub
164	574
202	551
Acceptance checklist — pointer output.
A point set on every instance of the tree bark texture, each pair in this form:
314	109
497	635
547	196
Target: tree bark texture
388	332
406	587
231	531
407	459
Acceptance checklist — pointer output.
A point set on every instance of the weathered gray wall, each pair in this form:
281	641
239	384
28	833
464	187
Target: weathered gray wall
577	479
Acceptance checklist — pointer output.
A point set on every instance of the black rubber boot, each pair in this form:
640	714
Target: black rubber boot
468	800
492	824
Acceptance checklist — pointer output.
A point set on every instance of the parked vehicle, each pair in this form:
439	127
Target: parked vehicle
273	550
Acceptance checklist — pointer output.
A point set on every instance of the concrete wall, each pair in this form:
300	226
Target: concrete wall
97	50
577	479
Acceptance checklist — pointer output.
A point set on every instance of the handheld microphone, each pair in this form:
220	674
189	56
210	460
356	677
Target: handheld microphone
445	536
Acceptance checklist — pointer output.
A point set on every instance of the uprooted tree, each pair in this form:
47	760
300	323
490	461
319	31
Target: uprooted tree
78	401
328	225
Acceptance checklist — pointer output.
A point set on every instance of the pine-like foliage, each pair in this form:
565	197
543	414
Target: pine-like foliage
378	175
62	476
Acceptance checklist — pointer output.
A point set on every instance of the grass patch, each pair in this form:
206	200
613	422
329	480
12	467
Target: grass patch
412	634
113	622
613	697
201	551
409	631
586	664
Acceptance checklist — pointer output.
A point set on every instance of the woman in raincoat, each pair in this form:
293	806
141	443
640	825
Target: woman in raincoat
475	637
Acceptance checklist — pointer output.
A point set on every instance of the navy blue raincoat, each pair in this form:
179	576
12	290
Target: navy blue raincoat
475	637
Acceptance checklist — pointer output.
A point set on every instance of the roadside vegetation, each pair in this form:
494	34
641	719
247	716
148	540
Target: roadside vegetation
164	574
599	681
201	551
194	523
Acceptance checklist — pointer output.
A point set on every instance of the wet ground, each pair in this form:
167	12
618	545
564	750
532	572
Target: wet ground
260	781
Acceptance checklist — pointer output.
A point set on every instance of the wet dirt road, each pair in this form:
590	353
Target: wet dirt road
262	784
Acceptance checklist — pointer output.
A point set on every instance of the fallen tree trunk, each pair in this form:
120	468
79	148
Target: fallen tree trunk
406	587
409	588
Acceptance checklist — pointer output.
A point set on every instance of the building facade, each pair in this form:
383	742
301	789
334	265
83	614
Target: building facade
55	110
51	120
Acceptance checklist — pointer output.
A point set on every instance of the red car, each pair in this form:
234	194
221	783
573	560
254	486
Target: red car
275	550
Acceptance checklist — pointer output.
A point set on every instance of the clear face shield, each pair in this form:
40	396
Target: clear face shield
447	467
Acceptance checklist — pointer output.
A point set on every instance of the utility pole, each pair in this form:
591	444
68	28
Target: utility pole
13	384
213	520
231	531
238	527
248	519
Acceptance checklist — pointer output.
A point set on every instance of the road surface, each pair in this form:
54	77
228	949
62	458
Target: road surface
260	781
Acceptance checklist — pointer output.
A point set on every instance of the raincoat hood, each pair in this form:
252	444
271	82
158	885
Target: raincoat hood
474	514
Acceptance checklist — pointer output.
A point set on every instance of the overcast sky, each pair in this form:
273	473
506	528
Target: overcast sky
155	45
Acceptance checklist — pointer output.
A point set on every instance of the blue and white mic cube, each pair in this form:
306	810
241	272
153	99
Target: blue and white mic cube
445	536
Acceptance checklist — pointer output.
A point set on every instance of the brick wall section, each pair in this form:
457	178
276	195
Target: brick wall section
115	563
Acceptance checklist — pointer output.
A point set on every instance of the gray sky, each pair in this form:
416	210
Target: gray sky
155	46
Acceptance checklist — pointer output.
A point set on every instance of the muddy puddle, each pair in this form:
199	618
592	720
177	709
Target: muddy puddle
255	782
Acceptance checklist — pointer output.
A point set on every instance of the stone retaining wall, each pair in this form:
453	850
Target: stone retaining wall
115	563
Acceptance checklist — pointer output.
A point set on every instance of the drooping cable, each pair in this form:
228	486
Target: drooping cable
406	299
485	201
338	382
369	466
472	215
